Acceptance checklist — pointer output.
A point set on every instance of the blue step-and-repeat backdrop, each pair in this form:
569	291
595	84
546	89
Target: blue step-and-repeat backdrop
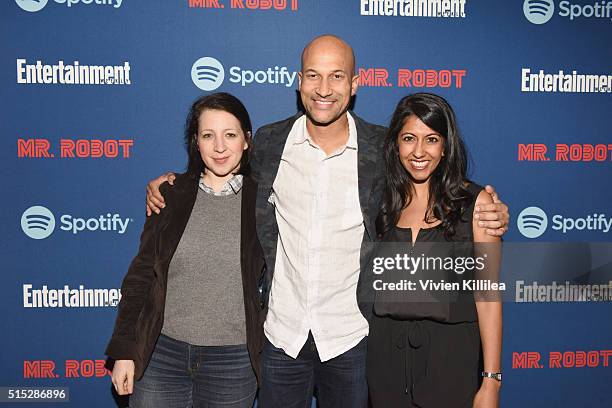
94	96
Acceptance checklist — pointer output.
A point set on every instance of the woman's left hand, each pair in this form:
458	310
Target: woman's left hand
488	394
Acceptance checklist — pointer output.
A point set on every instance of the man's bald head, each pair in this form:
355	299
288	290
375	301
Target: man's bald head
327	80
329	43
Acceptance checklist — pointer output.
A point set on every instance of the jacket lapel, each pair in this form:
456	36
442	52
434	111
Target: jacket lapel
181	201
271	151
366	155
247	215
274	147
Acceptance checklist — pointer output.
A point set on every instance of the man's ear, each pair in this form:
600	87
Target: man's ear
354	84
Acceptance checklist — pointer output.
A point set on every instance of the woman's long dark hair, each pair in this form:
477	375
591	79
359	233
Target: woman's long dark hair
218	101
448	197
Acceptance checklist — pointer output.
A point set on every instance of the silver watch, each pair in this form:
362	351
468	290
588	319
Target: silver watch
495	376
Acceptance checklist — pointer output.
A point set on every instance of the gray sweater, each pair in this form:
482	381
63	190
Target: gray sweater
204	301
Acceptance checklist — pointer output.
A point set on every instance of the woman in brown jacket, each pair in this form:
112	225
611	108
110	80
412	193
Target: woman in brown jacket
189	325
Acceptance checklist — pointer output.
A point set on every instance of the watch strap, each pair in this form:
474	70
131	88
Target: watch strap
495	376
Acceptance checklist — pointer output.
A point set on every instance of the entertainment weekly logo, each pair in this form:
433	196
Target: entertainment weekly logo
542	11
564	82
33	6
413	8
249	5
553	292
87	368
561	359
563	152
69	297
411	78
75	149
61	73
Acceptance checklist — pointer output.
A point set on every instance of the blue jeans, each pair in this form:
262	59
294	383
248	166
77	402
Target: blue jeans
290	383
182	375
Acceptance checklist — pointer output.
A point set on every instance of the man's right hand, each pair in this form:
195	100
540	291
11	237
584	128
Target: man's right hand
123	376
155	201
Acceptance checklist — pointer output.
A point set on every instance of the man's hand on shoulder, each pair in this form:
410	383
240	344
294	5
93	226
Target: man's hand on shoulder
493	217
155	200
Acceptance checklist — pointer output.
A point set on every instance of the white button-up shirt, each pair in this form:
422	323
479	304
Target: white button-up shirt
320	226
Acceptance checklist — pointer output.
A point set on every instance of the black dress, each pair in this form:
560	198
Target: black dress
426	354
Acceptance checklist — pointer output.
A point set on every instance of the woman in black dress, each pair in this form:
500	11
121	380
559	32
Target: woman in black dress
433	349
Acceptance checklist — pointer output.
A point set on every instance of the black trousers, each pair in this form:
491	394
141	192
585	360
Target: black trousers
422	363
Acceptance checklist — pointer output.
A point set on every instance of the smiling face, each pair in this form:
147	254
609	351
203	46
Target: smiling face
327	80
420	149
221	142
